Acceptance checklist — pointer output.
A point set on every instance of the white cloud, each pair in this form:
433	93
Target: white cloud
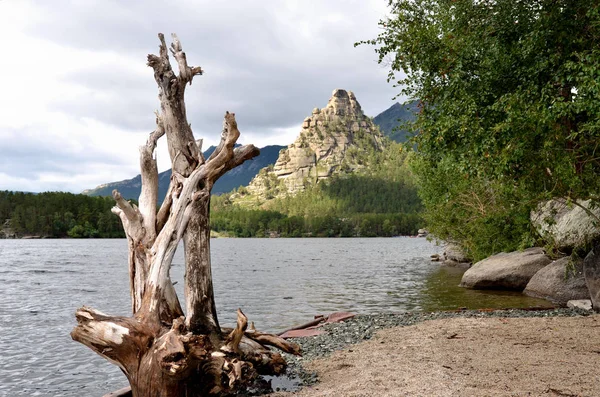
79	99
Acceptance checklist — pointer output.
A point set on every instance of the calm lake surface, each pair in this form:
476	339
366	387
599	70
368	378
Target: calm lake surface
277	282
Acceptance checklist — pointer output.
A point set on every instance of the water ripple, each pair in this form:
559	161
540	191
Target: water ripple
44	281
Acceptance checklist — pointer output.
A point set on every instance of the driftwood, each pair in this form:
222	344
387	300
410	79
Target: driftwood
124	392
318	320
162	351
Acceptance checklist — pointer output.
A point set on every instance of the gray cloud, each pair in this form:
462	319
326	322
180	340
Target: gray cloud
28	156
270	62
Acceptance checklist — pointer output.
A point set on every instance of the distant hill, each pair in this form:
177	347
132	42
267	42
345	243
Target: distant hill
333	140
340	177
390	120
242	175
239	176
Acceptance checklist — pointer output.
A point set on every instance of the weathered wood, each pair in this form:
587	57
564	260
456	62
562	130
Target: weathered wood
138	261
275	341
235	337
180	139
165	207
162	352
149	172
200	305
124	392
318	320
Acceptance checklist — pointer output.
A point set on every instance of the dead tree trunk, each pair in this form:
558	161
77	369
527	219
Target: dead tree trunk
163	352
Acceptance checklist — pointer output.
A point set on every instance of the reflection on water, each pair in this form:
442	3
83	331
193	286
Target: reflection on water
441	292
278	283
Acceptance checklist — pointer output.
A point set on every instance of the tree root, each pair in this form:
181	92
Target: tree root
173	354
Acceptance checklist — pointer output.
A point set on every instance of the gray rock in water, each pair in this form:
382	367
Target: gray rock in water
510	271
591	270
557	283
455	257
583	304
454	253
460	265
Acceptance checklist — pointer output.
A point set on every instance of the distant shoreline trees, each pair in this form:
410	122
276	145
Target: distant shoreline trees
68	215
379	201
60	215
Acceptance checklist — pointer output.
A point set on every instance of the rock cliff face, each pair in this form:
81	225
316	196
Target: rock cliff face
332	139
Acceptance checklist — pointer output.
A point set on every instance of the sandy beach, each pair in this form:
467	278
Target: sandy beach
495	356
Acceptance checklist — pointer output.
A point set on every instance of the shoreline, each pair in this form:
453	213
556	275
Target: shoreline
368	355
213	235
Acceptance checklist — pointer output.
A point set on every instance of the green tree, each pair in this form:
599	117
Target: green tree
509	113
55	214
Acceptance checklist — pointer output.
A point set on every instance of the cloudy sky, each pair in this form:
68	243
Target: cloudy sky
78	99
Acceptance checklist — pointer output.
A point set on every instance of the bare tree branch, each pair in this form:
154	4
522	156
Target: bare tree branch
149	172
186	73
184	156
165	208
240	155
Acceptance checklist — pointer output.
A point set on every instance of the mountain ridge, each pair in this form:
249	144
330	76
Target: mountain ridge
387	121
390	120
332	140
240	176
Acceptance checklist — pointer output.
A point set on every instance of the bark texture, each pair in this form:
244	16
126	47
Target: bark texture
162	351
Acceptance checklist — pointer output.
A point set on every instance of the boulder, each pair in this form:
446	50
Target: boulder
451	263
454	257
306	122
510	271
583	304
559	284
566	225
591	271
6	230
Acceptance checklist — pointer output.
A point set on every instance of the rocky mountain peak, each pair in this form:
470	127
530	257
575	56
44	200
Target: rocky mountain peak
331	140
343	103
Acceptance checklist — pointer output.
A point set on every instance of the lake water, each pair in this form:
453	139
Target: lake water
277	282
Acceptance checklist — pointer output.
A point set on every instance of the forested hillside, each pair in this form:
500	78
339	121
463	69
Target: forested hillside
381	200
57	214
341	177
392	121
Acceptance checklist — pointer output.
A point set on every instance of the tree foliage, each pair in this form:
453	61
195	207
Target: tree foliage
58	214
378	200
510	98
